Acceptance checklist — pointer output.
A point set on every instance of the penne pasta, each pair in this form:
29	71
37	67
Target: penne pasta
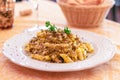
90	48
57	46
66	58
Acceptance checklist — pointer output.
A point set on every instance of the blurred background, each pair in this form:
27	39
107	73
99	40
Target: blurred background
113	15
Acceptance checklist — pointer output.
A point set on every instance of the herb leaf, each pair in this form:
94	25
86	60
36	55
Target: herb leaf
47	24
67	31
50	26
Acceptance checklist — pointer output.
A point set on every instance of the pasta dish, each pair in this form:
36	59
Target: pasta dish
57	46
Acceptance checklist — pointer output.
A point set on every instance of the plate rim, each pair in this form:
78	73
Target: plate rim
24	65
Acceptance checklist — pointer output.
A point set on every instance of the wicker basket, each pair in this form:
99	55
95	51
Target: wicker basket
86	16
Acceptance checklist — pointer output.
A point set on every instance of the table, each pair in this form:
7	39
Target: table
11	71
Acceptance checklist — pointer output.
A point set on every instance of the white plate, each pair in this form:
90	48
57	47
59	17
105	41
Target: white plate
104	51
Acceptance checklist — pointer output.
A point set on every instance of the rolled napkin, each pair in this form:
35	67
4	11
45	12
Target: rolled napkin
26	12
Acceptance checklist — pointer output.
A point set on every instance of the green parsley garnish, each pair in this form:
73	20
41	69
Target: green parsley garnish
67	31
50	26
47	24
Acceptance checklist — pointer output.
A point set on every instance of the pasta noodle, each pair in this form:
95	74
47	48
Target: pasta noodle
57	47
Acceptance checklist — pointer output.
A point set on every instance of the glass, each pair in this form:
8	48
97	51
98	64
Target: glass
35	4
6	14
